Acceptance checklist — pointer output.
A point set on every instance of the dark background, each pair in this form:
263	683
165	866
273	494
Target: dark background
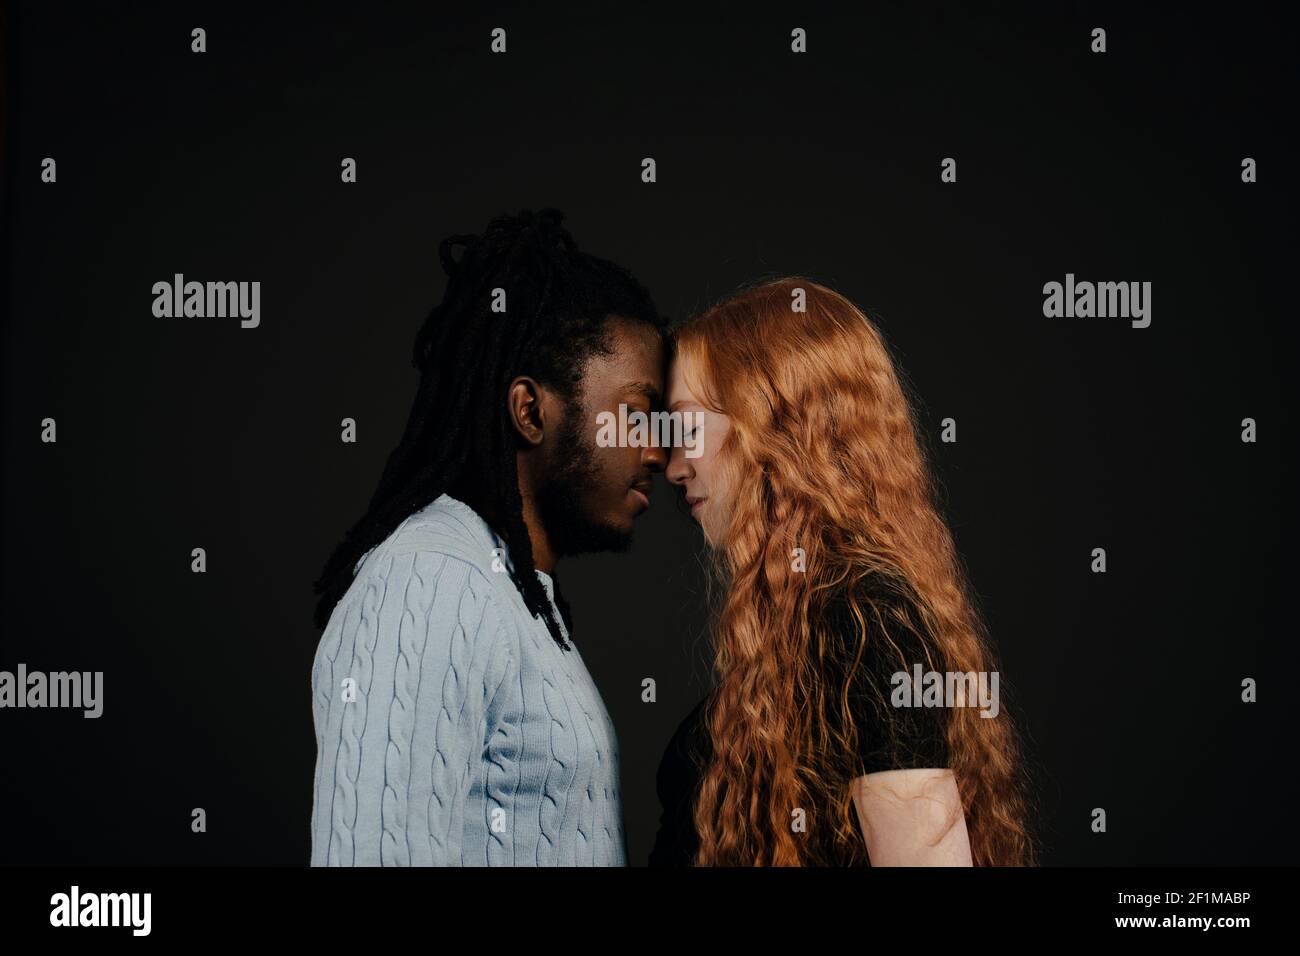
1073	433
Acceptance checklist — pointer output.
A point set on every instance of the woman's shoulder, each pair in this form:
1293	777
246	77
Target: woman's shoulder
894	730
889	609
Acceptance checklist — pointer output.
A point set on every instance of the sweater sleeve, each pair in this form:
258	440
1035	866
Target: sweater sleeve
403	685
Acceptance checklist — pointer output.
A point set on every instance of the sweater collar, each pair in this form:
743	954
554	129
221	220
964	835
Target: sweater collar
485	533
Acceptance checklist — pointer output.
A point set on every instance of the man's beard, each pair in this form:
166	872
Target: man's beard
562	498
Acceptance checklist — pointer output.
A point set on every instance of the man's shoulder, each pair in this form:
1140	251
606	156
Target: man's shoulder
444	528
430	568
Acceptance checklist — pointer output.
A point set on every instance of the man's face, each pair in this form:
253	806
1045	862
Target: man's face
592	495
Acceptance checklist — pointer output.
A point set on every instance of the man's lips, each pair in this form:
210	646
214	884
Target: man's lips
642	492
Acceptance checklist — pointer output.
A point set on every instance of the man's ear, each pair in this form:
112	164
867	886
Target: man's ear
525	403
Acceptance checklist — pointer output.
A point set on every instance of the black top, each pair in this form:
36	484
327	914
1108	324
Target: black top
889	737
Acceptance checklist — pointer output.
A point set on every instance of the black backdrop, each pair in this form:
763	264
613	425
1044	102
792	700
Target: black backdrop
1072	433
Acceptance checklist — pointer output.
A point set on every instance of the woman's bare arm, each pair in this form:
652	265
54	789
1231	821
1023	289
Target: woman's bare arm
912	817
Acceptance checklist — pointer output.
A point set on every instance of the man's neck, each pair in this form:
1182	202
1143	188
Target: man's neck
543	556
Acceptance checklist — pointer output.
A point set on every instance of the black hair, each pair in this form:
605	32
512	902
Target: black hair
459	438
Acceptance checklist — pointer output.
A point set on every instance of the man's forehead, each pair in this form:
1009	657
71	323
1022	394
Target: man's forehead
634	333
636	355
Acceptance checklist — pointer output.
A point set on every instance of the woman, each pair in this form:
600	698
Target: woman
812	490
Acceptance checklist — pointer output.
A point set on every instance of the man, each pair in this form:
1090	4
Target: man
456	723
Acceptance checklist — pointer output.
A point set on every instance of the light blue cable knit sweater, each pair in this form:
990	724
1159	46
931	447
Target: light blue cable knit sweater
451	729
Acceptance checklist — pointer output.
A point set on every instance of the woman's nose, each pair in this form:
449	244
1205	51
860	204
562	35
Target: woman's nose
679	468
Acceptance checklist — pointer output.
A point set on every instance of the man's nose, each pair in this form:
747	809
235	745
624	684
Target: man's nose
654	458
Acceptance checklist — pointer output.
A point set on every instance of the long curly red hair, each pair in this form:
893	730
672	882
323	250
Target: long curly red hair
822	455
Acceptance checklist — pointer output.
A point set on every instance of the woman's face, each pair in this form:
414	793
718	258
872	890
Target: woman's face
702	482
